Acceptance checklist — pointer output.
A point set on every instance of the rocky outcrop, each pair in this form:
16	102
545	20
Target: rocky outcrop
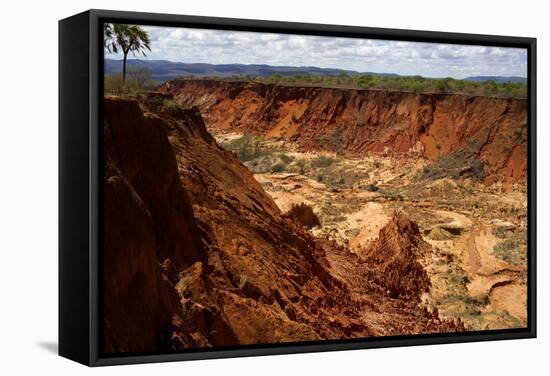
303	215
394	259
368	121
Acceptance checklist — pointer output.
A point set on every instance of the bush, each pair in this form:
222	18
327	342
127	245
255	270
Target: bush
322	161
286	158
301	163
461	163
370	187
391	194
279	167
169	104
137	79
246	147
506	245
113	84
511	251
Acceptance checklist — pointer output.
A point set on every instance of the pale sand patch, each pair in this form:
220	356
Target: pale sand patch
512	299
285	200
227	137
459	220
485	240
370	219
297	189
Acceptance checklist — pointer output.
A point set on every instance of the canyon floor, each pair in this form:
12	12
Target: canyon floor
477	263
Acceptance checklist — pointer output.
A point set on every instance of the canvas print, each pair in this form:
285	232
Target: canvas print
263	188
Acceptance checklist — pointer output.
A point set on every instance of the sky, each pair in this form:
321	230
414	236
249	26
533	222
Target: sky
364	55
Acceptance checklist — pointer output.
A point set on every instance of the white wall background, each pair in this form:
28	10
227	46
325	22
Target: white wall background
28	187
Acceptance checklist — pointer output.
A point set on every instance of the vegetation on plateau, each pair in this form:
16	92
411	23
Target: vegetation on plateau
137	79
414	84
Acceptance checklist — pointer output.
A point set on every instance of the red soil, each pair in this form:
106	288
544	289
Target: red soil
360	121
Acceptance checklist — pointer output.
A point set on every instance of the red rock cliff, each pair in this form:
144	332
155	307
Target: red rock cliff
367	121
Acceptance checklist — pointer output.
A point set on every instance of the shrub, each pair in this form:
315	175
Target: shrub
510	250
322	161
286	158
140	77
169	104
137	79
370	187
246	147
391	194
113	84
301	163
460	163
279	167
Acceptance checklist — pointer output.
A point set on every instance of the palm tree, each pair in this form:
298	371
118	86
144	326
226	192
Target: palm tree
126	38
107	36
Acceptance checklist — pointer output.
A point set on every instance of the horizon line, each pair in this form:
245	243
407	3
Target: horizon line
317	67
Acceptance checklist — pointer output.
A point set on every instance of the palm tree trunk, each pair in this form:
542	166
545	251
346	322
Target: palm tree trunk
124	69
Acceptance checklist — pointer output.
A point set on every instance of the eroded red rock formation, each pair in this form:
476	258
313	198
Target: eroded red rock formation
395	257
197	254
352	121
303	215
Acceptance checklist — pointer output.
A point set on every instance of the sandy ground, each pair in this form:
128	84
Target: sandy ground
369	220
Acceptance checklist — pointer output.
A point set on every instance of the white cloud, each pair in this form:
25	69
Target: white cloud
365	55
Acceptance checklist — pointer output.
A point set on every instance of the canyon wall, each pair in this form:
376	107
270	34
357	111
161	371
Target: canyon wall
196	254
148	221
361	122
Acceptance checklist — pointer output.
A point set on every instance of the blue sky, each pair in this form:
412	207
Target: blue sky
365	55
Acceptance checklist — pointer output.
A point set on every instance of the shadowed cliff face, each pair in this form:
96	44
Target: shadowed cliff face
264	279
196	254
148	222
432	126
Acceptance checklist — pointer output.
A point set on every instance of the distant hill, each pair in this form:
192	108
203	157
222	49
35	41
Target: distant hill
497	79
167	70
164	70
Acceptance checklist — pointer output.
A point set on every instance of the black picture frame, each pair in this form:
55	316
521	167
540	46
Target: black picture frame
80	171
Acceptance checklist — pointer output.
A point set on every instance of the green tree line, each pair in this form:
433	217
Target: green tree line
416	84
